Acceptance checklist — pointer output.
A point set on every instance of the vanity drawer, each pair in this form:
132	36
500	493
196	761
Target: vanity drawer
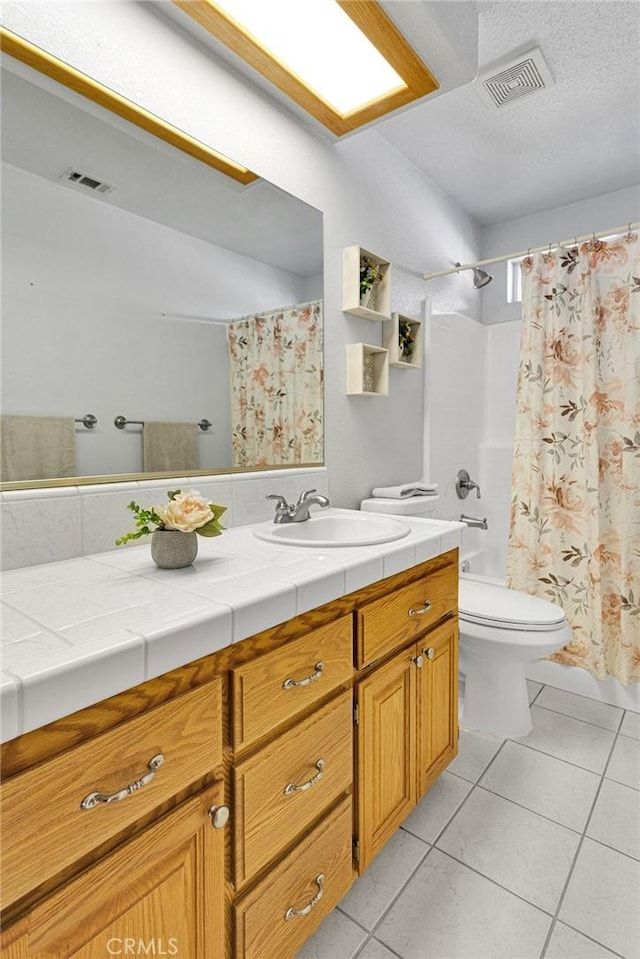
389	622
276	686
311	880
45	828
317	757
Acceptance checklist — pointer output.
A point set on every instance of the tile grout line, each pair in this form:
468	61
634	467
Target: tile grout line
579	719
431	847
565	888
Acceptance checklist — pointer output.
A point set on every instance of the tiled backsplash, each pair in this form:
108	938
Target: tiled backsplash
46	525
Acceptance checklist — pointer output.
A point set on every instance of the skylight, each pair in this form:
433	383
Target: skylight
344	61
320	45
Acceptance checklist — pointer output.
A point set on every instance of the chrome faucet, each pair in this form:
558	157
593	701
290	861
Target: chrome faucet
298	513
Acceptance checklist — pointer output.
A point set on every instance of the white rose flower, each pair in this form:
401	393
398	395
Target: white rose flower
186	513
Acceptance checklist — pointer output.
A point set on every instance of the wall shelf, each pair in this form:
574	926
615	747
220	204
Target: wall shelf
391	341
377	306
367	370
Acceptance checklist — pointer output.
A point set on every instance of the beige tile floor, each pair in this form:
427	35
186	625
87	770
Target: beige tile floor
523	849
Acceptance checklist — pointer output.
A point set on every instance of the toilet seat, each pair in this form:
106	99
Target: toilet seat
497	607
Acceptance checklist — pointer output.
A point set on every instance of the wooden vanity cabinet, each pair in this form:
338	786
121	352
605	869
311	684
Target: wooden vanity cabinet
320	735
161	893
407	707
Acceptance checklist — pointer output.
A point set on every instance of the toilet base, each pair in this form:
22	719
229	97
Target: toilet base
496	698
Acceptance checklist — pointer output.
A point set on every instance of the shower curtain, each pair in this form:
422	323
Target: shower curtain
277	386
575	509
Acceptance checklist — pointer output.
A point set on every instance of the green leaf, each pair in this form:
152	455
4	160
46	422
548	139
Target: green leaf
212	528
173	493
217	510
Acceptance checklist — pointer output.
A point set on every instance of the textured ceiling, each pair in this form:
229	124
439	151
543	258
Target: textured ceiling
576	139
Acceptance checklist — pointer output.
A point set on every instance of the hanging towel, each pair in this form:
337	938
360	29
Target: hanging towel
167	447
405	490
37	447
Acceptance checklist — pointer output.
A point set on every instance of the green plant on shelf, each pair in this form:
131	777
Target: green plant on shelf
406	339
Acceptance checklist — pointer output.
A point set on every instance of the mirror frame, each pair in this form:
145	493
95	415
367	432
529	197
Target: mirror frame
37	58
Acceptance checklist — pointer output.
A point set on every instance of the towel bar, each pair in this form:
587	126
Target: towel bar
121	421
89	421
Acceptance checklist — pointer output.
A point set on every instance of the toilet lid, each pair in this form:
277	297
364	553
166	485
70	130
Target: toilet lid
490	603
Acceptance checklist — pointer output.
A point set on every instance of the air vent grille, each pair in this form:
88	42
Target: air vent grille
517	78
76	178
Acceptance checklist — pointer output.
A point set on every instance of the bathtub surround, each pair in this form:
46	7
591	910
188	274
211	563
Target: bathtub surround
576	479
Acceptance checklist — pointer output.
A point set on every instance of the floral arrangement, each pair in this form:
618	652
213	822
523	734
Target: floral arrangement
405	338
186	512
370	274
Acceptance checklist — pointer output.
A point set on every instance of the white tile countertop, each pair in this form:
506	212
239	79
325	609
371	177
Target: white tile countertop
78	631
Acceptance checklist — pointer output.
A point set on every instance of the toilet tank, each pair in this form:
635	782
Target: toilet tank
424	506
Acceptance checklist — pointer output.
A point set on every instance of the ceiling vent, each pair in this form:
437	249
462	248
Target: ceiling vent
516	78
75	178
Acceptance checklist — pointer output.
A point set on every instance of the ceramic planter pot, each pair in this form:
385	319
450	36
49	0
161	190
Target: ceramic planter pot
171	549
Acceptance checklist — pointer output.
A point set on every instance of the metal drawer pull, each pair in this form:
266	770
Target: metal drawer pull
295	788
291	683
292	913
430	652
94	799
422	610
418	660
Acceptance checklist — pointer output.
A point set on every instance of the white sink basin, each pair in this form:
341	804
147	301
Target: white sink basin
336	529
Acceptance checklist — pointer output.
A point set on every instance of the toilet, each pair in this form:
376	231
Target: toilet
501	630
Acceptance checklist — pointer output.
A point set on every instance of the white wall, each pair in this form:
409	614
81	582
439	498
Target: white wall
368	193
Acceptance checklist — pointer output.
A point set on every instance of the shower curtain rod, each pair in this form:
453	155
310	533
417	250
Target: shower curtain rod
628	227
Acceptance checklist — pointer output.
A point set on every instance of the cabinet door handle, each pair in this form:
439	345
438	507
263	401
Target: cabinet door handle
421	610
295	788
291	913
94	799
418	660
429	652
292	683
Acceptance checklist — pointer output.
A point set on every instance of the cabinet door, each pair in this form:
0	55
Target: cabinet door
437	703
161	893
386	752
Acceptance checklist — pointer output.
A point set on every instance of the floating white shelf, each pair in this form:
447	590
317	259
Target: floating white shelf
377	304
367	370
392	341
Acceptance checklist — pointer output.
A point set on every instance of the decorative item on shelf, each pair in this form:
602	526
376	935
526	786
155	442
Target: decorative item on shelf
367	370
403	338
174	543
366	284
406	339
370	276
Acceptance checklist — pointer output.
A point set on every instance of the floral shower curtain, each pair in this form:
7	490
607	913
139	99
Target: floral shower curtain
277	386
575	509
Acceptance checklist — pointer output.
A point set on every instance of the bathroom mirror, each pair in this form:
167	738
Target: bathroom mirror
125	264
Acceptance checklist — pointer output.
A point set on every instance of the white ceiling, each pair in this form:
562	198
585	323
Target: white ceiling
578	138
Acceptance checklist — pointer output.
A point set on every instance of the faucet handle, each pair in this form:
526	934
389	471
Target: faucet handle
281	505
304	494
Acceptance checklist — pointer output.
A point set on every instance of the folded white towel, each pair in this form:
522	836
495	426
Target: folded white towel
405	490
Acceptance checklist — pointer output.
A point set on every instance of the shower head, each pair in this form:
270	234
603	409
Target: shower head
480	278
